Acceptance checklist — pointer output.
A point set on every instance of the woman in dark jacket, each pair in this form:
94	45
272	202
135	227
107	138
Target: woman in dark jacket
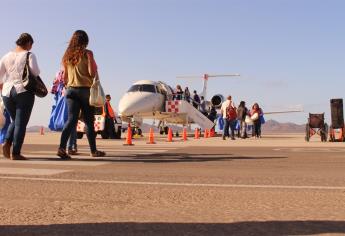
242	112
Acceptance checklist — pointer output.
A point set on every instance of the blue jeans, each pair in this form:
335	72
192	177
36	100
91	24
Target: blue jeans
72	141
226	128
229	124
78	99
257	128
19	106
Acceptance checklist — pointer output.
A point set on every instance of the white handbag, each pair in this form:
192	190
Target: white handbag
255	116
97	96
248	120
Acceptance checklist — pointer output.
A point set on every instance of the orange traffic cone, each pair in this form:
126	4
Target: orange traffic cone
151	137
206	133
184	134
129	137
212	133
170	135
41	130
196	133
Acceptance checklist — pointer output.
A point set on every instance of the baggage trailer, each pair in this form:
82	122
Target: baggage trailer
337	128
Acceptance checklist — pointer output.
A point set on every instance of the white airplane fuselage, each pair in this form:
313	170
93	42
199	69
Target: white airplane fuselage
146	100
143	99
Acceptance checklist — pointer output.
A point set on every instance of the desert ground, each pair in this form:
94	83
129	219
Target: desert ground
276	185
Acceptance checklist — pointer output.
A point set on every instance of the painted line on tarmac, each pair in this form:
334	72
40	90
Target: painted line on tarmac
54	162
29	171
302	187
127	151
311	149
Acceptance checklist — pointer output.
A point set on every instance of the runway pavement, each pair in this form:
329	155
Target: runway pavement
277	185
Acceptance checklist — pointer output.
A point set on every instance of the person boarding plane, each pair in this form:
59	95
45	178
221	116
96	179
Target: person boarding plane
155	100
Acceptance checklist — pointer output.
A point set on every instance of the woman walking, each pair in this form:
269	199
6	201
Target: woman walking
80	69
17	100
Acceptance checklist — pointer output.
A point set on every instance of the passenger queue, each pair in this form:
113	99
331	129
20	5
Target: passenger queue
233	119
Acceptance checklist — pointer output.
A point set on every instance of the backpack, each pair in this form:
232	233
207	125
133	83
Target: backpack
231	113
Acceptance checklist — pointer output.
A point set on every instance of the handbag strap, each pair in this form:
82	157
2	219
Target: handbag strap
26	66
27	58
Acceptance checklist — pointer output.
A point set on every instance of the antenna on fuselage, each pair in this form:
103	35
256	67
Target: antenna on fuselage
205	80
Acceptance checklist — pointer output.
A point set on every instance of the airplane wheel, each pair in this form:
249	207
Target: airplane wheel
166	130
140	132
80	135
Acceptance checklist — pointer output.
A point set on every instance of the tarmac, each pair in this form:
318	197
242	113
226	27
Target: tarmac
276	185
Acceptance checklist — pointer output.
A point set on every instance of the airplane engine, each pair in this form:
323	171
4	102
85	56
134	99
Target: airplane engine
217	100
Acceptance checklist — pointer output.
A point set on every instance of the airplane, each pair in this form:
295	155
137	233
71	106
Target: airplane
148	99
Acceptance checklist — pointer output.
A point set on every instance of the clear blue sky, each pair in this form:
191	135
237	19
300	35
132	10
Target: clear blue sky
288	51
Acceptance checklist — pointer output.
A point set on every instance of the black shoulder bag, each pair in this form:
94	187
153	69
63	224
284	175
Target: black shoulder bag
33	83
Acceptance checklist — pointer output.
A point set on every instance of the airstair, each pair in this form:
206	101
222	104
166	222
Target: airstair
187	113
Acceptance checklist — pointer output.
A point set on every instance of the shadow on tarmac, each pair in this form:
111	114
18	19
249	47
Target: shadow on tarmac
131	228
166	158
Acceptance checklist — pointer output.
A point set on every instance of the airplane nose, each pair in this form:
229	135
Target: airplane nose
130	104
125	107
125	110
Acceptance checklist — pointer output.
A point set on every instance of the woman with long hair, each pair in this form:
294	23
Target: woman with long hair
255	113
79	72
17	100
242	112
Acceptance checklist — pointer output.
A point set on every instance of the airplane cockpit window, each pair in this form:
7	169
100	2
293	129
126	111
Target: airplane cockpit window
143	88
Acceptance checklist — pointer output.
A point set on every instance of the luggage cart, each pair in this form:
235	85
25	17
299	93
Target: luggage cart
316	125
337	129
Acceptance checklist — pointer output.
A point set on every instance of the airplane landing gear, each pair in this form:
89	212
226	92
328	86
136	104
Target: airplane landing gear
136	131
163	130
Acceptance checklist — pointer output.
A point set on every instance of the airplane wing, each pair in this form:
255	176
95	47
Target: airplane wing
281	112
293	109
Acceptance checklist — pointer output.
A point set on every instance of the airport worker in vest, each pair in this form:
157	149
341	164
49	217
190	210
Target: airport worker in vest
109	116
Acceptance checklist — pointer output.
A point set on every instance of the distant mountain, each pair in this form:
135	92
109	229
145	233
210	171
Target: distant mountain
272	126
